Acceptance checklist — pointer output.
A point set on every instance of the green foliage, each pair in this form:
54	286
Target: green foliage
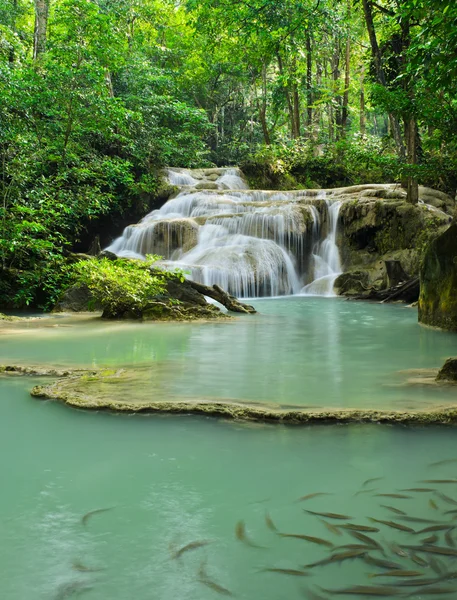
121	286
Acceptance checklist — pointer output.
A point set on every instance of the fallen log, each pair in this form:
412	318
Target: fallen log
217	293
407	291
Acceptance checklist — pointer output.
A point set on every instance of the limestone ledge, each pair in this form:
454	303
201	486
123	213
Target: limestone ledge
94	390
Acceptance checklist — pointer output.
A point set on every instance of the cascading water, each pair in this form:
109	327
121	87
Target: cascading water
326	257
252	243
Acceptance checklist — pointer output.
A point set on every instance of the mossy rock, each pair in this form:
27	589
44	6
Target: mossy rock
438	274
448	371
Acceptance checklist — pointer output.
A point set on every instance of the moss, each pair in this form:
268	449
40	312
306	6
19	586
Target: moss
438	297
97	392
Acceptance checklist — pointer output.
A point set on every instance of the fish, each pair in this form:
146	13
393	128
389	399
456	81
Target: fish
449	539
365	590
419	520
435	550
191	546
339	557
308	538
393	525
366	540
312	595
295	572
269	522
401	496
439	481
72	588
397	550
417	490
354	547
397	573
447	461
97	511
447	499
314	495
355	527
431	539
332	528
384	564
393	509
77	566
240	532
436	566
365	491
434	528
418	560
328	515
368	481
433	504
205	580
435	590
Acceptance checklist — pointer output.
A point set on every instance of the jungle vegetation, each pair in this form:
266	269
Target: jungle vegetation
96	96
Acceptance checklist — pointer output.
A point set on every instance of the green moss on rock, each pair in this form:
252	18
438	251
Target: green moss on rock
438	297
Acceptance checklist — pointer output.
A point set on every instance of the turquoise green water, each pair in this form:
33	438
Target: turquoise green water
170	481
297	351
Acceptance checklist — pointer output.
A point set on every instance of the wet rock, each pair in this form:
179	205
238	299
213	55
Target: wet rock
448	371
77	298
206	185
438	274
352	283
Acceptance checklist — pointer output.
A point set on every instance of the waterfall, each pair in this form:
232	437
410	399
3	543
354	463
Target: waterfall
250	242
326	257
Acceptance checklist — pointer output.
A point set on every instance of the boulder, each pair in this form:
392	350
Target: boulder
207	185
76	298
438	274
448	371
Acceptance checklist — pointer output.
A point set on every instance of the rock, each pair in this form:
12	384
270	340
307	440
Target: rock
206	185
438	296
352	283
107	254
395	272
448	371
76	298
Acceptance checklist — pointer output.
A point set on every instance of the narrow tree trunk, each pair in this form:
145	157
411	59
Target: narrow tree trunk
262	106
296	123
344	113
380	75
363	117
335	80
412	186
309	77
41	25
288	98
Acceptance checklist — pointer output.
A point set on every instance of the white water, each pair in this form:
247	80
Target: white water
326	257
252	243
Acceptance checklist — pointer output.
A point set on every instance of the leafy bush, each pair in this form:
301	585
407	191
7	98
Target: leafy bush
123	286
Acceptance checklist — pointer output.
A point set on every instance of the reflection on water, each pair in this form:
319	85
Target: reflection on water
173	481
296	351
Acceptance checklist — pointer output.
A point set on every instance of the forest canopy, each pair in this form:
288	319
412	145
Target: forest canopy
98	95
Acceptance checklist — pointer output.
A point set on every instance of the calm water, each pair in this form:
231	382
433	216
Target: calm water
305	351
170	481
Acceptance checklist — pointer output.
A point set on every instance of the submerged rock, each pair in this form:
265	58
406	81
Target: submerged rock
142	390
448	371
438	297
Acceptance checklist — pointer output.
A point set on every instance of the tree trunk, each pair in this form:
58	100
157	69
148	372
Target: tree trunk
412	186
380	75
309	76
335	78
363	117
296	124
344	114
41	25
288	98
262	106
